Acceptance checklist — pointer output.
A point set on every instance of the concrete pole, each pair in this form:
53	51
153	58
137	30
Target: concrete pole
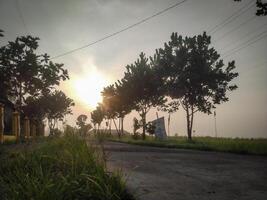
1	123
27	128
16	125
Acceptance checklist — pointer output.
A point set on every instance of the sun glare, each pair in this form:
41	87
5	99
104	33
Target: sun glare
88	88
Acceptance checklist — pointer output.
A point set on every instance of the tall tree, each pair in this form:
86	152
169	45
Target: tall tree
84	127
143	86
194	74
81	120
34	108
109	105
97	116
117	102
56	105
27	73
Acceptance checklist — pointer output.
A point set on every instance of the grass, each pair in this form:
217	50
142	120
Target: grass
58	168
237	145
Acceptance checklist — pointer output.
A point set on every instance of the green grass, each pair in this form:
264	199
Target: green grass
237	145
58	168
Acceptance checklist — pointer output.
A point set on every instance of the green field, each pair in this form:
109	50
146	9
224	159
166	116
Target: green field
237	145
57	168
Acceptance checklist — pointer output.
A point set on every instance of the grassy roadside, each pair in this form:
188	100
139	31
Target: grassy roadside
58	168
237	145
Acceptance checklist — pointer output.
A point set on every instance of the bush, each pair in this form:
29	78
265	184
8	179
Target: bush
60	168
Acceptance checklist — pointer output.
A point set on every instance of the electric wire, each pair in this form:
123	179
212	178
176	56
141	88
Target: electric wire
122	30
234	29
253	40
231	18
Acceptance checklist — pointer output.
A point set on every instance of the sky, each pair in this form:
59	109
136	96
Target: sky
63	25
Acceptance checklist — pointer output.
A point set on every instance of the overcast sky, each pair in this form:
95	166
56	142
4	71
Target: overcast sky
66	24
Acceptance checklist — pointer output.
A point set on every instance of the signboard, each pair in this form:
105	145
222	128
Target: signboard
160	132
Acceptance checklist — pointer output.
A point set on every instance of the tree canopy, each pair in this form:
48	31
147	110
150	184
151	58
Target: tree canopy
97	115
143	86
261	7
25	73
56	105
194	74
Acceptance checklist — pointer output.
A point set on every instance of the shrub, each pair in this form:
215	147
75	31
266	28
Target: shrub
60	168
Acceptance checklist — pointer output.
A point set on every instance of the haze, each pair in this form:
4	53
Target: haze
63	25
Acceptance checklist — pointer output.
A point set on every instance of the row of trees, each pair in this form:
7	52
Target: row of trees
185	73
29	81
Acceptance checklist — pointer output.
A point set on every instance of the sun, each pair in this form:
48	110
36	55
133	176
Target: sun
88	88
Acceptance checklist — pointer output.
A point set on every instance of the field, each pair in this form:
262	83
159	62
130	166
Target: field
237	145
57	168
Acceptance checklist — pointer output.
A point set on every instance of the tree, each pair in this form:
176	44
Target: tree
34	108
97	116
262	7
143	86
25	73
3	74
194	74
136	125
109	105
151	128
81	122
117	103
56	105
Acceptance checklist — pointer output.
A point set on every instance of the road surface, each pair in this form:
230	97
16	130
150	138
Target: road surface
169	174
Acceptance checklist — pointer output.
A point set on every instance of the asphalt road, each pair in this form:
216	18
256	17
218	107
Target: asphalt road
169	174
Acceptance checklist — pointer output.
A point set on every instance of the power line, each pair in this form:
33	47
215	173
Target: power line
230	18
245	44
122	30
248	34
234	29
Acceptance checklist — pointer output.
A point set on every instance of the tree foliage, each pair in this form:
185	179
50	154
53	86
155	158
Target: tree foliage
144	87
97	115
34	108
81	120
25	73
261	7
117	102
81	123
193	74
56	105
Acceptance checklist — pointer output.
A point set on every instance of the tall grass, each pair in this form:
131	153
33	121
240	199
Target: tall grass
59	168
237	145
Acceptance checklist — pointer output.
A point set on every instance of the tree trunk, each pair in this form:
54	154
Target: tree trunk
119	125
110	126
189	120
188	123
116	128
144	125
122	131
